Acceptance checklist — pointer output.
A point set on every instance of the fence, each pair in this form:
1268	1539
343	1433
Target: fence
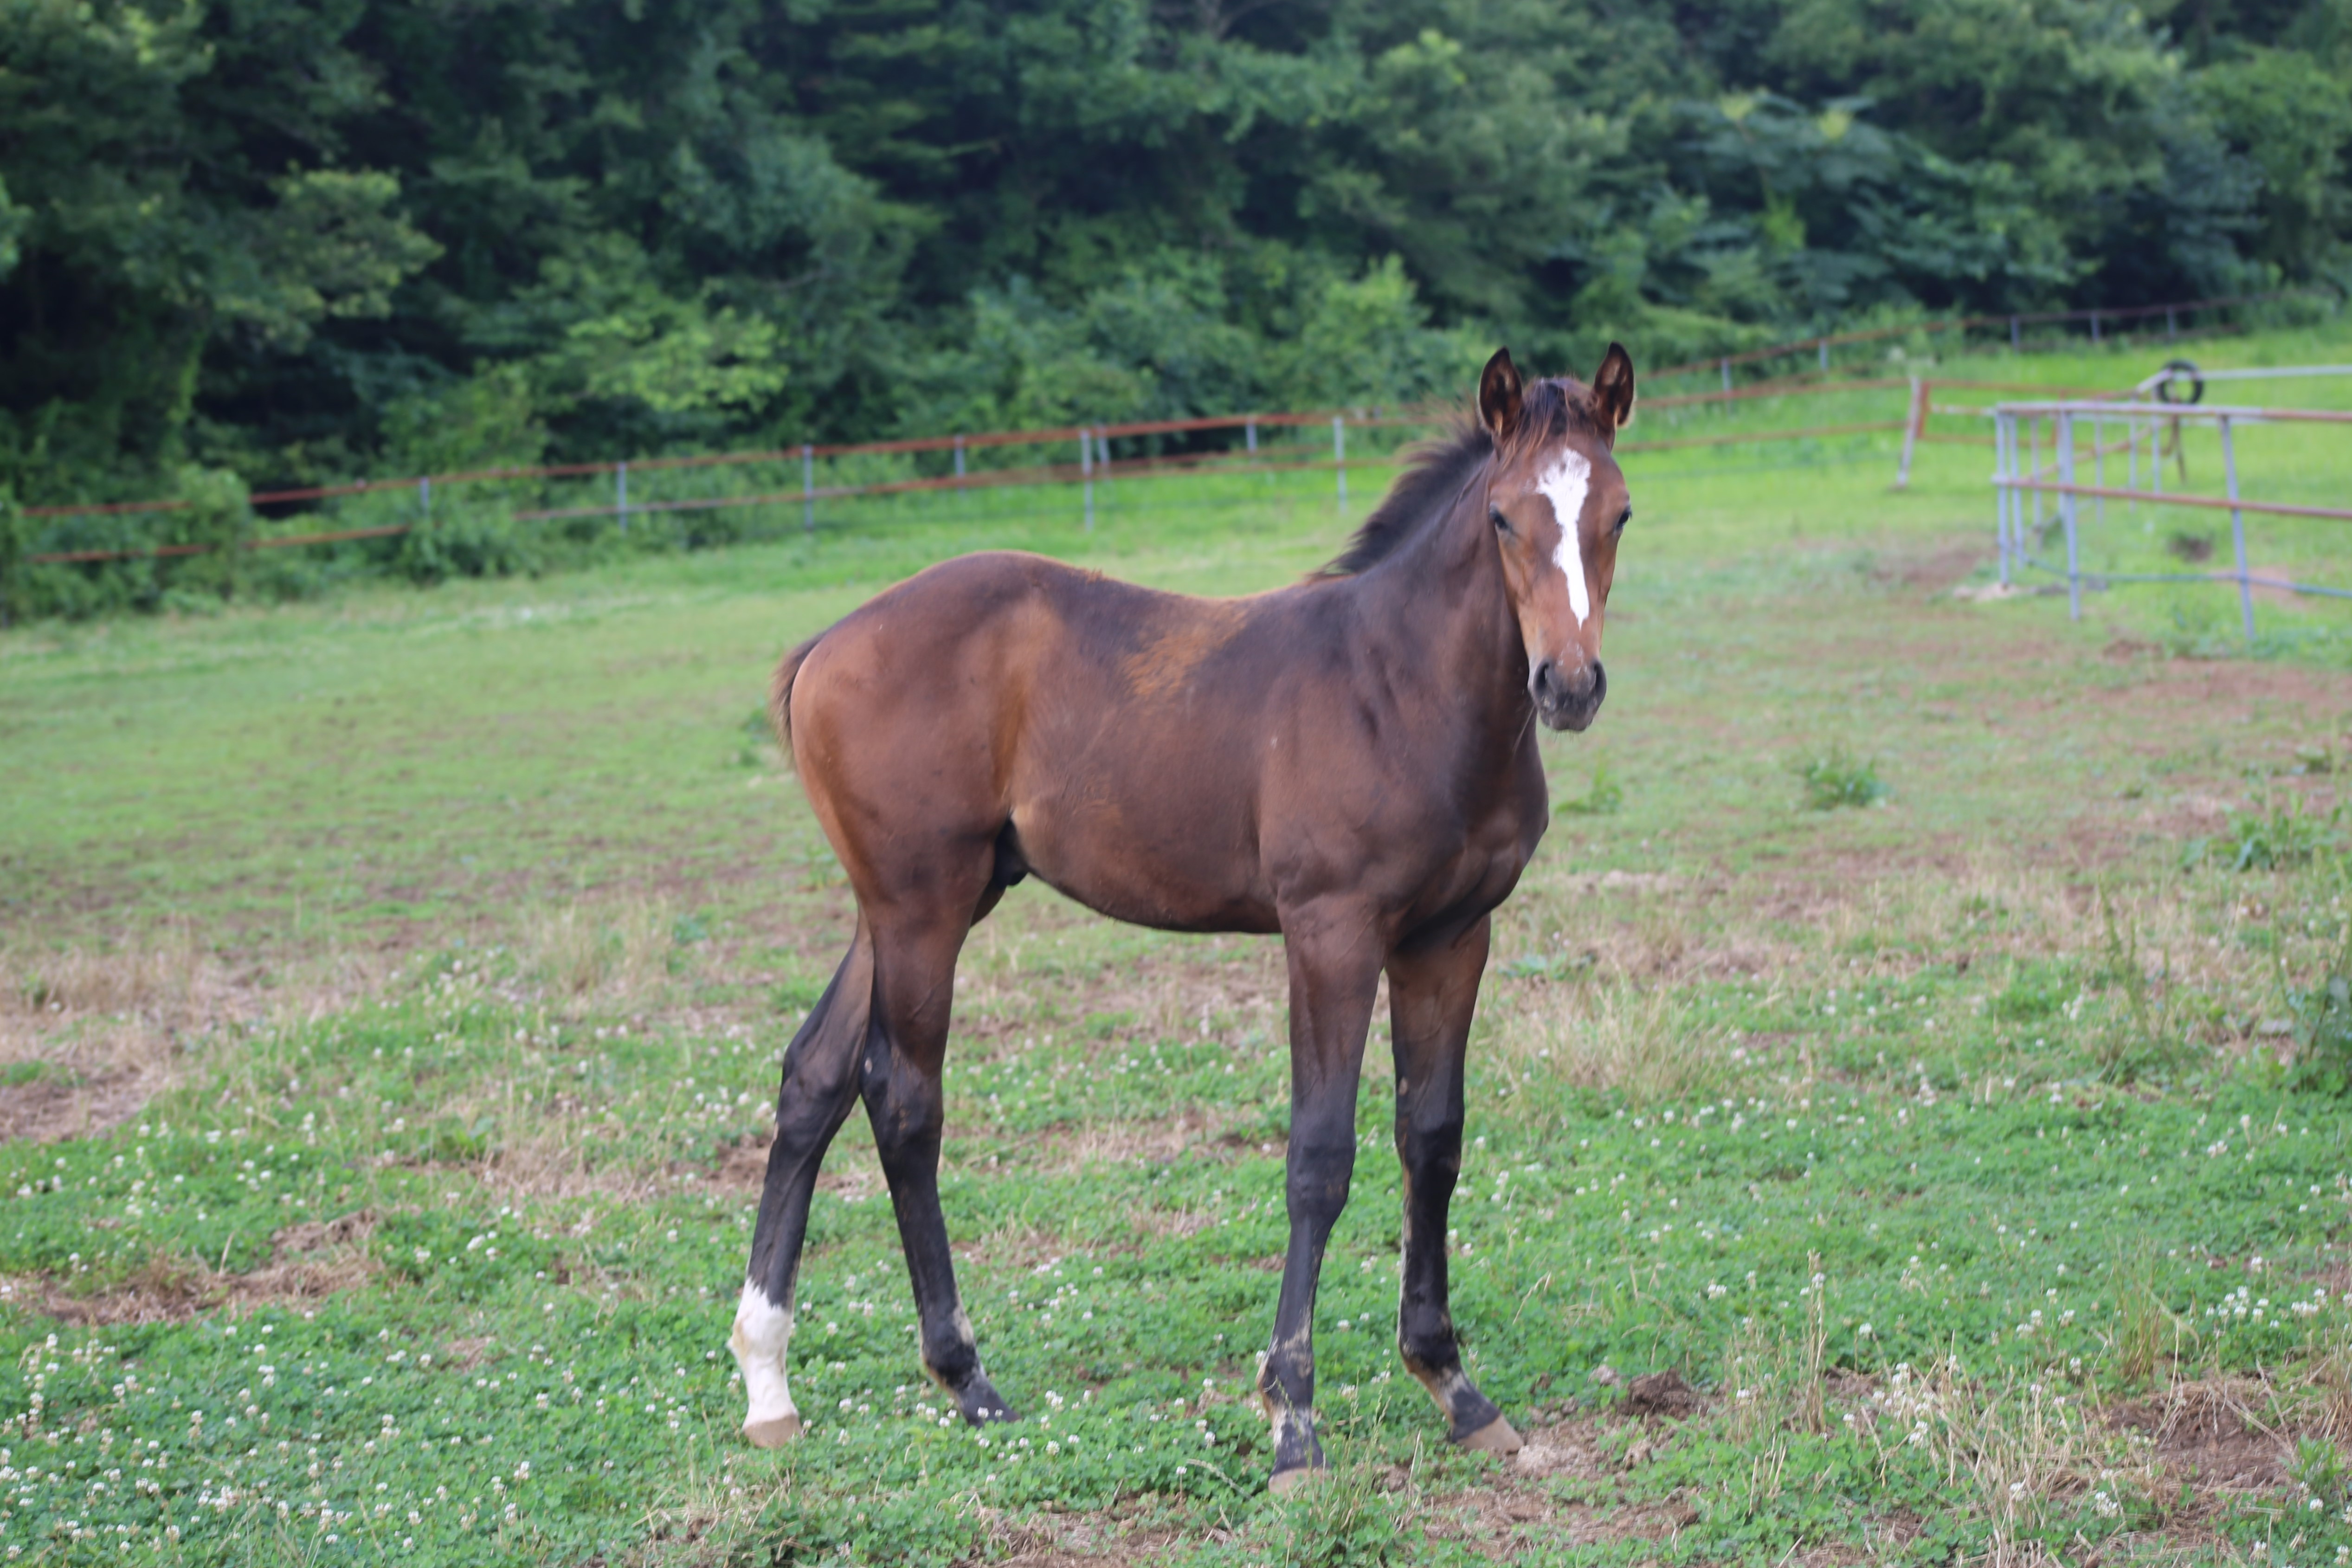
1092	460
2023	477
2097	318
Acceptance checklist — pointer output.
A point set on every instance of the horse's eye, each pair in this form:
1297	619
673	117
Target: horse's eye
1494	515
1623	517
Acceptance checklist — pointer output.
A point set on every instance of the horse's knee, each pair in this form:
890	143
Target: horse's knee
906	1110
1431	1147
1320	1177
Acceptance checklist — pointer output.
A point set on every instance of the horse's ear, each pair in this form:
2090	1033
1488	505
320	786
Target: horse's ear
1498	395
1612	390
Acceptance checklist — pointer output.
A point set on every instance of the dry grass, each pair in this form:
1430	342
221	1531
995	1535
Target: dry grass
166	977
2329	1383
2011	1447
1625	1037
2148	1335
613	952
1887	921
88	1034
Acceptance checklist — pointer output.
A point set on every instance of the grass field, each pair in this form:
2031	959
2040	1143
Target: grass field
1908	1104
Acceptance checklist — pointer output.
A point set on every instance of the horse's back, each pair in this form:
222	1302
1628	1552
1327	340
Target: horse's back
1109	725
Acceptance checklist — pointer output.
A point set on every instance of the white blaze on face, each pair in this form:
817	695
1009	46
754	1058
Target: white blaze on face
763	1331
1564	484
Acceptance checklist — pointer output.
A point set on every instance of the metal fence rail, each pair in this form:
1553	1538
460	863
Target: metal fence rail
1093	463
2023	477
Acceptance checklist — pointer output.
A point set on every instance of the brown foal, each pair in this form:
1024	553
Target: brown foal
1350	761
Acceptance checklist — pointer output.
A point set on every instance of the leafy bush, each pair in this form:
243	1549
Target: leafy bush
467	540
1837	778
16	541
2276	835
2322	1017
1601	800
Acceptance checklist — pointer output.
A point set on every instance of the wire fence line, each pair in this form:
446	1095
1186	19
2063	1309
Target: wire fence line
2096	319
1262	443
2023	476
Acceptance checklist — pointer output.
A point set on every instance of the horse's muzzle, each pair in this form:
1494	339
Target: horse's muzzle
1568	701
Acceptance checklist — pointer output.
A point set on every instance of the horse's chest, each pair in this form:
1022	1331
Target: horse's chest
1477	863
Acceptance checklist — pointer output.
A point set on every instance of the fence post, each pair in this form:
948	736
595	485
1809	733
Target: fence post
2004	467
2065	437
2238	529
2098	468
1087	471
963	502
2094	326
1726	375
2171	323
2016	505
2016	344
1918	416
424	500
1824	347
808	489
621	494
1249	435
2033	472
1340	456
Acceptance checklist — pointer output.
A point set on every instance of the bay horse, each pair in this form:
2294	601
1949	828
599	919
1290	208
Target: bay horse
1351	761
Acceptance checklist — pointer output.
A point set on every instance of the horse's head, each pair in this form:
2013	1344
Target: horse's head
1557	503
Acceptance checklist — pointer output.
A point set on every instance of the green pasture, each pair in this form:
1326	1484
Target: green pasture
1923	1031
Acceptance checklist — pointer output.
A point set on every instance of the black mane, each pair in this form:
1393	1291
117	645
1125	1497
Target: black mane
1434	475
1435	472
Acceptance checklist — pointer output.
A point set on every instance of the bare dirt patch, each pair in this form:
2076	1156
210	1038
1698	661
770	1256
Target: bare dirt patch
469	1352
2207	1434
743	1163
309	1262
1568	1449
1662	1393
1935	571
54	1105
1107	1540
2173	690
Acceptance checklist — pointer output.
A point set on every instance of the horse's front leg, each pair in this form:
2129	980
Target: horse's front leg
1433	991
1334	957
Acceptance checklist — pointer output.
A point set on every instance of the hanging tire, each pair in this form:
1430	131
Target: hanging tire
2174	369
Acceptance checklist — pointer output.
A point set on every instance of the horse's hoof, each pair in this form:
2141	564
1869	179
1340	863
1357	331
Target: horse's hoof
1495	1438
773	1432
1285	1482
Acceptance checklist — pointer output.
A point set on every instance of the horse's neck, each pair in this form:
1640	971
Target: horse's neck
1445	606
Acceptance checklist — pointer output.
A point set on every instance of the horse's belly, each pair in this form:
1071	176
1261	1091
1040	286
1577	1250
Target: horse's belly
1180	870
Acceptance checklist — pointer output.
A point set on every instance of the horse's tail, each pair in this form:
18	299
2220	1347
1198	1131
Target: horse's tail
780	694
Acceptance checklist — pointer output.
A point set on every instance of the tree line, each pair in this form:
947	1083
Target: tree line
298	240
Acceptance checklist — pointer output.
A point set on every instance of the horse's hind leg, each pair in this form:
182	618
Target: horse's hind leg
1433	991
820	1084
899	1077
